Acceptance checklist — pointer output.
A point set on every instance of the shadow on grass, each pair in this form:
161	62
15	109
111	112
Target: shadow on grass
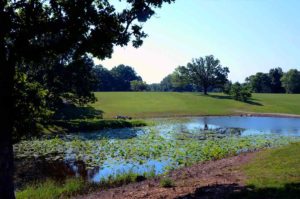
289	191
251	102
71	112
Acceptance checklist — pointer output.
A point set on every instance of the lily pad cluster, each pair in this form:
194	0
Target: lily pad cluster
139	150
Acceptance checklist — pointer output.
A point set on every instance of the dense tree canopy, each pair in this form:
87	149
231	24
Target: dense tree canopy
34	33
260	83
138	85
104	79
291	81
122	76
204	72
275	75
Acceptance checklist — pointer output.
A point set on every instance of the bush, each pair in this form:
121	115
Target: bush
166	182
240	92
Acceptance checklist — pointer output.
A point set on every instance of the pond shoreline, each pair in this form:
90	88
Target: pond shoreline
242	114
215	178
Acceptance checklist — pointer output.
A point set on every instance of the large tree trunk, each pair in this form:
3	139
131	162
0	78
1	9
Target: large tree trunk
205	90
6	126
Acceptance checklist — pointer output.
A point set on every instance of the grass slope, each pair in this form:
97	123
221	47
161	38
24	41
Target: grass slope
274	173
160	104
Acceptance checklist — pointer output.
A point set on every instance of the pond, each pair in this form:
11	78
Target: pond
169	143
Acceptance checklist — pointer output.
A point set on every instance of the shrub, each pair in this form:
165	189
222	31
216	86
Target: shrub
166	182
240	92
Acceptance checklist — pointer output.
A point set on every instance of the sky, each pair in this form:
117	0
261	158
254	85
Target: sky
248	36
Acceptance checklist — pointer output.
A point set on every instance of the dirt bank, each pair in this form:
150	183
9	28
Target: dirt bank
212	179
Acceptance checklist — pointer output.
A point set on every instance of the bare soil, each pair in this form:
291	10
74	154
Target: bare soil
212	179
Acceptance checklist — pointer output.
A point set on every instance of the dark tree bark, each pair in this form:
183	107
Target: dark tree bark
205	90
6	127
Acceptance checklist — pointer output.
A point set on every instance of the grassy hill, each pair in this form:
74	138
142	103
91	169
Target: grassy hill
161	104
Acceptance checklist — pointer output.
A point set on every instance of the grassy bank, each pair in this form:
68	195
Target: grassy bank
275	173
51	189
159	104
96	124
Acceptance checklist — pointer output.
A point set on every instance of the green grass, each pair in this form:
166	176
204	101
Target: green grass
275	167
274	173
160	104
52	190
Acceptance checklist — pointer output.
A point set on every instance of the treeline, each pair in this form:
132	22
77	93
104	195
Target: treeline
204	74
276	81
119	78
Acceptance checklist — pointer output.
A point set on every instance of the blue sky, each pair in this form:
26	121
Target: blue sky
248	36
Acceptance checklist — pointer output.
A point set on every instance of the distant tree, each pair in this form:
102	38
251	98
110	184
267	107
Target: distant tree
259	83
240	92
179	82
104	79
205	72
136	85
122	76
166	83
32	31
227	87
154	87
275	75
291	81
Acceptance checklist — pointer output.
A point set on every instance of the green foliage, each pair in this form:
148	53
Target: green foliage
123	75
204	72
291	81
227	87
260	83
104	79
267	82
137	85
275	75
31	105
166	182
140	149
51	189
240	92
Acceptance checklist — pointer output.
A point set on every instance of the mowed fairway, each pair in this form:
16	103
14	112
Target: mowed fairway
168	104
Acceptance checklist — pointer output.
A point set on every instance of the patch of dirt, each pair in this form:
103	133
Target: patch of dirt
212	179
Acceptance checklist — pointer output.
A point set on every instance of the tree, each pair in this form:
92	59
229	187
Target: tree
259	83
31	103
240	92
154	87
291	81
33	30
166	83
275	75
122	76
180	83
137	85
205	72
227	87
104	79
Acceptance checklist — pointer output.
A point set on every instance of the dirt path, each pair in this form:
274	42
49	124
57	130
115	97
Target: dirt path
212	179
